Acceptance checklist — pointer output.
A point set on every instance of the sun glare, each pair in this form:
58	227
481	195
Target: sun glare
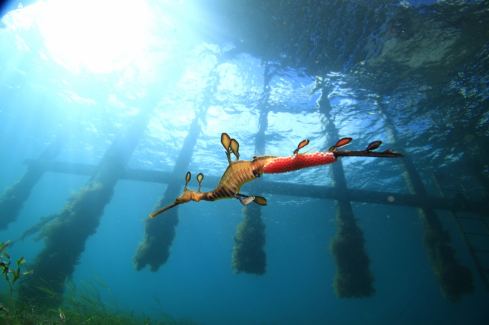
101	35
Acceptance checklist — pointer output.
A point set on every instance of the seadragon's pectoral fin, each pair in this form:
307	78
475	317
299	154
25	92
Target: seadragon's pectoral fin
245	200
260	200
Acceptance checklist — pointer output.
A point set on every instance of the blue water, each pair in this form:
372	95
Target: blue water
88	70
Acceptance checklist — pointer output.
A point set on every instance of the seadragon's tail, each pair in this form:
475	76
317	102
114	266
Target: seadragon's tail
299	161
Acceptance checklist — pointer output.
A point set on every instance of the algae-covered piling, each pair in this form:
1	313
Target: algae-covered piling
66	235
158	235
353	278
249	241
65	239
159	232
454	278
12	201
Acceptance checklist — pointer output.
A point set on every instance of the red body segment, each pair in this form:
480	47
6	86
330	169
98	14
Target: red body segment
296	162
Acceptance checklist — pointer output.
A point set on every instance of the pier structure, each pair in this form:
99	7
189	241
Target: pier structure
66	232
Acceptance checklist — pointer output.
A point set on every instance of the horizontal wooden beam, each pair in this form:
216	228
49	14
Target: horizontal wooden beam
262	186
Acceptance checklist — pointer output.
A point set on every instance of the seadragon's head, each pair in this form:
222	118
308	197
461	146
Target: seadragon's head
187	195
